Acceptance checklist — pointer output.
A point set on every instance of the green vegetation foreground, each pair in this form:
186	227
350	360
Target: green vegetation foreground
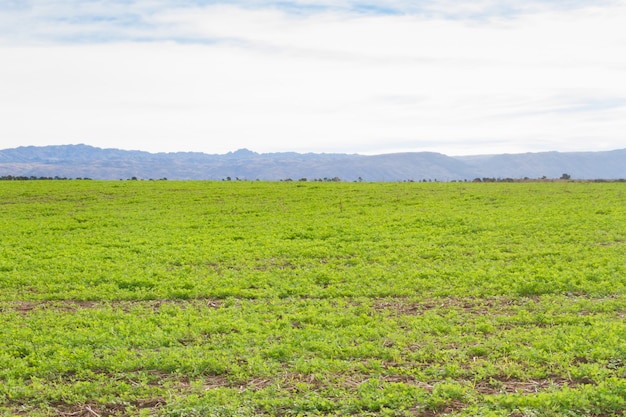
253	298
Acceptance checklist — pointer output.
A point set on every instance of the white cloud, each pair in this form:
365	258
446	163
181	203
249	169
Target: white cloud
334	80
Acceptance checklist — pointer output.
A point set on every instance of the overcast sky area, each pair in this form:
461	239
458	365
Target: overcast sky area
369	77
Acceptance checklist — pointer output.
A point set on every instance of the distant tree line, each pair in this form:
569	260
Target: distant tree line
325	179
137	179
33	178
564	177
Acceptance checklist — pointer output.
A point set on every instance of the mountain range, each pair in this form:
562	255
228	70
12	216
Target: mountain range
83	161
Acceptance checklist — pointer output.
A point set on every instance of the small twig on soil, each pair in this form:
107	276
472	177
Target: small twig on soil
88	408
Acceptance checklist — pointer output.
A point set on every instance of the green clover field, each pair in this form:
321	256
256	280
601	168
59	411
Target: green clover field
252	298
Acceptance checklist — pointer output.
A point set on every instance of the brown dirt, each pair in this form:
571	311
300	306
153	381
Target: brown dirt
107	410
26	307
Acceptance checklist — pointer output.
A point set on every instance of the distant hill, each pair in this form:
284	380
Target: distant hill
83	161
580	165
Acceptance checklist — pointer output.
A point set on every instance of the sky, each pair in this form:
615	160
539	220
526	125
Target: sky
367	77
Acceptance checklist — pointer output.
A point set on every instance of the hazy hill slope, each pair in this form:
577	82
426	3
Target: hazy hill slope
583	165
74	161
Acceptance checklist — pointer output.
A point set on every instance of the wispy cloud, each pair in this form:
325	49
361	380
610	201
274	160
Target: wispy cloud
114	20
449	75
